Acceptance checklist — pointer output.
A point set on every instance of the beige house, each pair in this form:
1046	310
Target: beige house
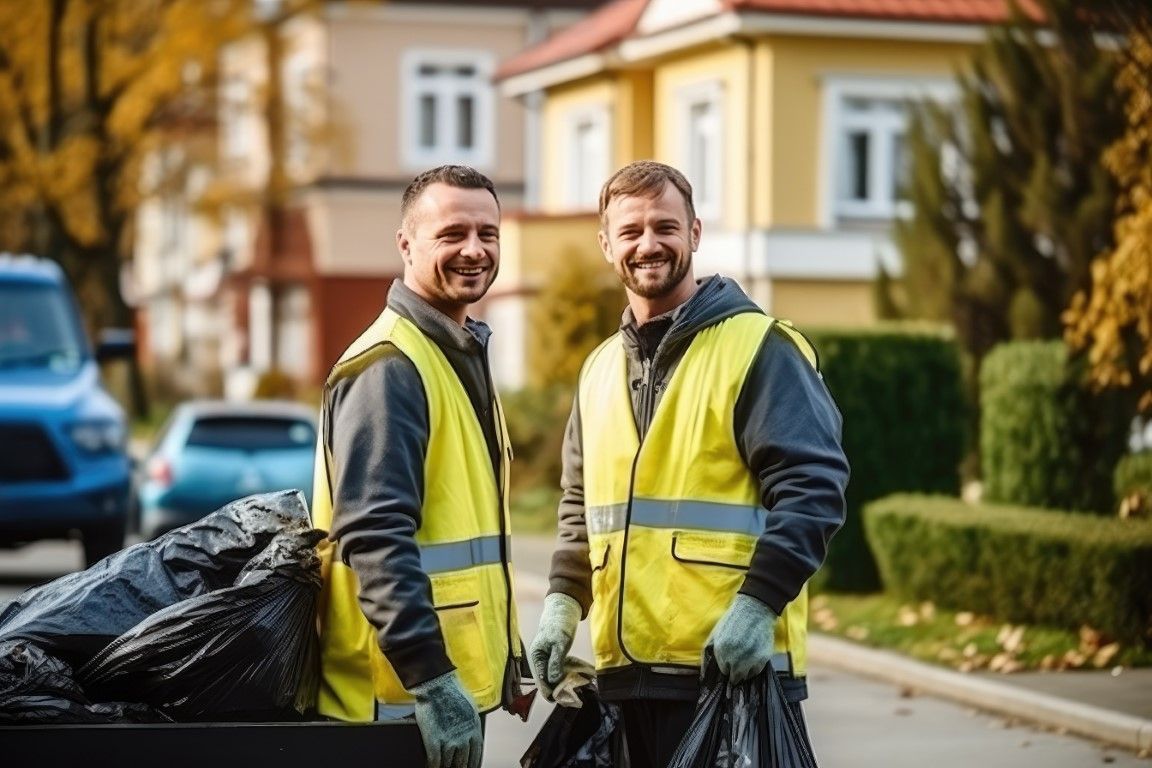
788	116
393	88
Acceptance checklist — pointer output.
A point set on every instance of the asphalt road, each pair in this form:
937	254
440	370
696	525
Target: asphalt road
854	722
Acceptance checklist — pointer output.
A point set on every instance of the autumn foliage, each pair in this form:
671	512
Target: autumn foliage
1112	322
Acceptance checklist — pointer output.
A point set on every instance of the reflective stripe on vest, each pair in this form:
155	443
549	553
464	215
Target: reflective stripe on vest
458	555
673	521
464	523
702	515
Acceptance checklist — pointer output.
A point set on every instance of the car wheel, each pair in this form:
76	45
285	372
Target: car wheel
101	542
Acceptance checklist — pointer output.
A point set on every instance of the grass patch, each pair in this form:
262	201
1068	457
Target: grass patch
963	640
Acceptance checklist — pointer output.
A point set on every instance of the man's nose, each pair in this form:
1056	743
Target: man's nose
647	242
472	246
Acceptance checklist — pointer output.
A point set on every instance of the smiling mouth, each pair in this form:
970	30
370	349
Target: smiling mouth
647	265
468	271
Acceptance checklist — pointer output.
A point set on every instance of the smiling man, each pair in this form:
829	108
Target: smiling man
703	478
411	483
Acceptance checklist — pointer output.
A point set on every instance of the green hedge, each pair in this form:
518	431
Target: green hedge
1044	440
1017	564
899	389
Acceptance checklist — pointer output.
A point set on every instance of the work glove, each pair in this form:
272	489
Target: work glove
553	641
743	639
448	723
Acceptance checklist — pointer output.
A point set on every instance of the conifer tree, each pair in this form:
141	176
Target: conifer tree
1010	199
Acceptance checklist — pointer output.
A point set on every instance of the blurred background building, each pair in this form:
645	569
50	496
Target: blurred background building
290	253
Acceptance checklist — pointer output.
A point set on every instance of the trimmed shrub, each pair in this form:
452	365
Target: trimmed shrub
1018	564
899	389
1132	483
1045	441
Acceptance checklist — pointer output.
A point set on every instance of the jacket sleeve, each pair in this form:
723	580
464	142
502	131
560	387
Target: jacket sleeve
379	438
789	433
571	571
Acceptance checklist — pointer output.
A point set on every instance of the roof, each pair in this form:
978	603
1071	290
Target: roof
246	408
31	268
941	11
613	22
616	21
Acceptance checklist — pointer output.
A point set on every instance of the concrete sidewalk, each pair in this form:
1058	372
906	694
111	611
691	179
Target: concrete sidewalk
1096	704
1115	708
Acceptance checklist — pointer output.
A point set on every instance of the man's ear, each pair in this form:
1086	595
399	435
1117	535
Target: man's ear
694	235
605	246
403	246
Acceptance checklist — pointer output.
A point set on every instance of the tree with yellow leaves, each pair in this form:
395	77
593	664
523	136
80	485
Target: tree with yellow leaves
88	90
1112	322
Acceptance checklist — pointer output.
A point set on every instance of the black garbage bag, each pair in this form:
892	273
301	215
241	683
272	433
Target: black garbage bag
750	725
75	616
38	689
576	737
247	652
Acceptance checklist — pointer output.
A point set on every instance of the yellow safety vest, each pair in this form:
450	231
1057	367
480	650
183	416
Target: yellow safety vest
462	540
673	521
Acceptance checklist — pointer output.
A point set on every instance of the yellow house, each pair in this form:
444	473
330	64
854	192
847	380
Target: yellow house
788	117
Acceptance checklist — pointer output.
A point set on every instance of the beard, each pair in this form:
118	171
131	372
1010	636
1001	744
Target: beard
646	286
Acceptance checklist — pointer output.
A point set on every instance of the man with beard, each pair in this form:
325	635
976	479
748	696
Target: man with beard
703	478
411	483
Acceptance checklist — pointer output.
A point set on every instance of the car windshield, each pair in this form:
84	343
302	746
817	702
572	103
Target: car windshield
251	433
38	328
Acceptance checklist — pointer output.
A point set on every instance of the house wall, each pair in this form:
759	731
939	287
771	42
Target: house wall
797	69
822	303
593	94
727	68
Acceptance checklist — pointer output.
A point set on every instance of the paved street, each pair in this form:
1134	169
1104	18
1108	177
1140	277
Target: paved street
854	722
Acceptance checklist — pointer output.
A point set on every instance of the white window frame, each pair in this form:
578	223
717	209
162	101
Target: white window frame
585	175
707	179
444	91
882	128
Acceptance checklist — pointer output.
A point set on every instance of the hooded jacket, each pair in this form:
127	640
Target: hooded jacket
788	437
378	481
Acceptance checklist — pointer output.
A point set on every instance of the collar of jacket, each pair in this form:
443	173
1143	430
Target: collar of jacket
472	337
717	298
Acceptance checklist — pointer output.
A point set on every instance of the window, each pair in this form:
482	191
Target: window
865	145
447	108
871	159
588	157
251	433
701	122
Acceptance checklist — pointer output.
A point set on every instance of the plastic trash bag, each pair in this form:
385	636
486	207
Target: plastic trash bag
571	737
246	652
75	616
38	689
750	725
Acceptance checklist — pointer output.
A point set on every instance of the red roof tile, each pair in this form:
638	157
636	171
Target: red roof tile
605	26
617	20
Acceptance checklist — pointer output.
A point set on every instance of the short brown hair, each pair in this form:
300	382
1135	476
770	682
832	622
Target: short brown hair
645	178
461	176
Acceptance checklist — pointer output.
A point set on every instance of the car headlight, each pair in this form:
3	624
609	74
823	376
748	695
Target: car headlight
97	436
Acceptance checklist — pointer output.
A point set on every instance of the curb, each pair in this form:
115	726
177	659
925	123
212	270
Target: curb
1116	728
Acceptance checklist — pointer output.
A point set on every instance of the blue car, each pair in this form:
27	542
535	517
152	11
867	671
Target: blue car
211	452
64	468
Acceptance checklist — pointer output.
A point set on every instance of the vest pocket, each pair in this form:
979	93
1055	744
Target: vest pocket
709	568
605	603
456	600
726	550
